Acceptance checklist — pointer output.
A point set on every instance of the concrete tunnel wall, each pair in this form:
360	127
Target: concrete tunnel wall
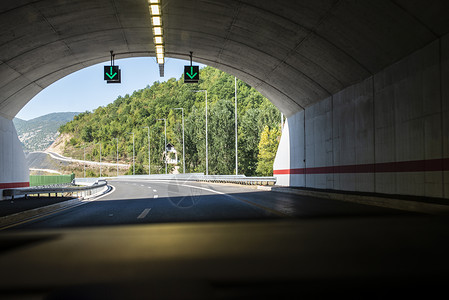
14	170
387	134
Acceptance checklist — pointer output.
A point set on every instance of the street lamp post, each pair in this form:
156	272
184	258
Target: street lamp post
207	160
134	165
117	155
183	145
149	153
235	114
84	160
100	157
165	144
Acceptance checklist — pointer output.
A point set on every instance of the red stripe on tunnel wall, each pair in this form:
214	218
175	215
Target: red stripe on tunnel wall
430	165
11	185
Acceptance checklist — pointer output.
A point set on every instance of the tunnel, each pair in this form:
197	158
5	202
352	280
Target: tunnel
362	83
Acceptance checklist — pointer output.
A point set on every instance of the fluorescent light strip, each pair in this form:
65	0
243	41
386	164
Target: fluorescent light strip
156	21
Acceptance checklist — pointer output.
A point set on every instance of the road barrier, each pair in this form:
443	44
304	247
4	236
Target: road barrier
64	191
238	179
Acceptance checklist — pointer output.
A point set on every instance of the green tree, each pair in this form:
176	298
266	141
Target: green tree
268	145
248	142
86	134
221	138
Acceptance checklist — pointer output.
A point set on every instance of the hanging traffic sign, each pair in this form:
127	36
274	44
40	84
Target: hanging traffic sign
191	74
117	78
111	73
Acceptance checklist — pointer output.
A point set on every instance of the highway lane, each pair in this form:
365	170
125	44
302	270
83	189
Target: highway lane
143	201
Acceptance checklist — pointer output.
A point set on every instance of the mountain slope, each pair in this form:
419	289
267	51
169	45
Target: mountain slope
39	133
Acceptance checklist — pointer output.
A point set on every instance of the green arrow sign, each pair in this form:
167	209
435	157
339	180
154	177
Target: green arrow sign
111	73
191	74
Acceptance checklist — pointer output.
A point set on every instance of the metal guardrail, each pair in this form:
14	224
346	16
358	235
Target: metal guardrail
75	191
238	179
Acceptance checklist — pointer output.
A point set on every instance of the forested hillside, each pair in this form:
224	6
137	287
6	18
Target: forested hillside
132	113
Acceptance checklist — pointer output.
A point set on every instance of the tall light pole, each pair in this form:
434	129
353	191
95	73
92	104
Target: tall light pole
84	160
149	156
117	155
207	160
235	113
165	144
183	145
100	157
134	165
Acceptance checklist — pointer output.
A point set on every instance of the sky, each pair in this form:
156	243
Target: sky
86	89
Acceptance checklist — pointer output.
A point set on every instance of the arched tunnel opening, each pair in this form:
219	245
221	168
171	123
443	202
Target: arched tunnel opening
362	85
120	125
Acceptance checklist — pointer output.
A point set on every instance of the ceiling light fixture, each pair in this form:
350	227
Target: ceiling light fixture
157	30
155	9
156	22
158	40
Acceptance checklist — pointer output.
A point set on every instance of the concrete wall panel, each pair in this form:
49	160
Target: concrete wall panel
413	86
282	159
297	158
13	168
445	108
319	152
344	148
386	134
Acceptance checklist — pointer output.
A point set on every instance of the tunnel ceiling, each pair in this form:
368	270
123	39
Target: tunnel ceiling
295	52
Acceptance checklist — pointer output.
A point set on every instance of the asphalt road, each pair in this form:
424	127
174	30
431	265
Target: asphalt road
288	246
138	202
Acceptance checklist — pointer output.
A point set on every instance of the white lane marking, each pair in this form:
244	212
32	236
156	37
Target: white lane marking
206	189
195	187
232	197
144	213
142	185
149	187
156	196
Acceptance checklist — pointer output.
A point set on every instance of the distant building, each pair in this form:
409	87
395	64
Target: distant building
172	154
